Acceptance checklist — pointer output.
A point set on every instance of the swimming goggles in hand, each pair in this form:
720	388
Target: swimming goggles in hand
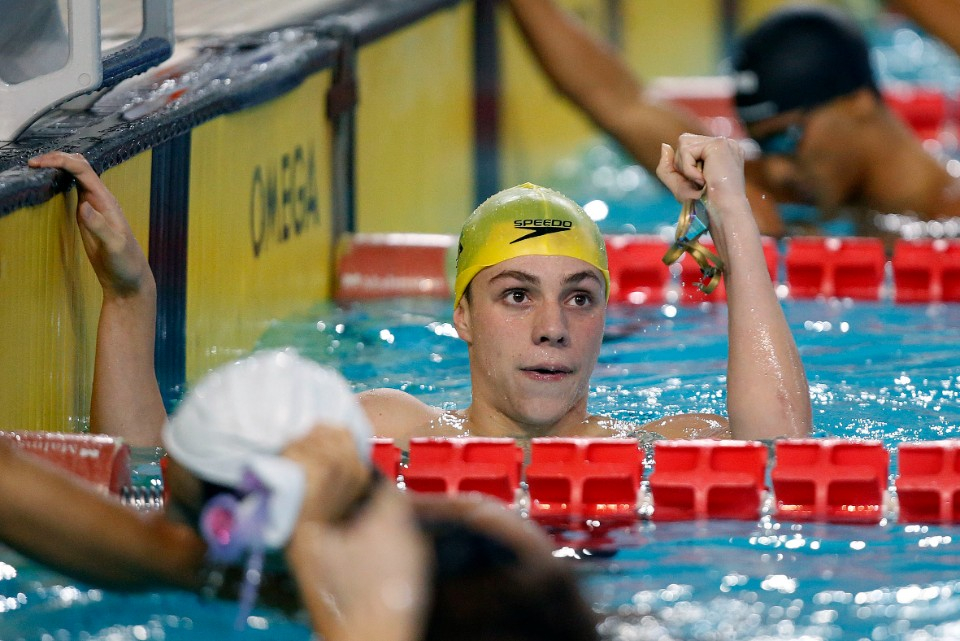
692	224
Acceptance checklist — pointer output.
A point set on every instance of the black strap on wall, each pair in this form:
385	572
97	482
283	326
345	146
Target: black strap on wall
341	112
486	100
169	199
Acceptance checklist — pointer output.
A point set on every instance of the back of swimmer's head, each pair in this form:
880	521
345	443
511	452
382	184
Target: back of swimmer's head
527	220
797	58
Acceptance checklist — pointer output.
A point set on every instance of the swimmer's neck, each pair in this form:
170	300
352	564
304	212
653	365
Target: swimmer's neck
486	423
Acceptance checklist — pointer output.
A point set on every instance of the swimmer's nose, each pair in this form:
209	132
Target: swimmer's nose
550	326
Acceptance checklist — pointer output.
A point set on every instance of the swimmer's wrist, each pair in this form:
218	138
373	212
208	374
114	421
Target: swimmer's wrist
374	482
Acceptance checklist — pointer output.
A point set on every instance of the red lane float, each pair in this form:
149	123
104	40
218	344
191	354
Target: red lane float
101	460
573	481
830	480
385	456
926	271
690	274
490	466
373	266
851	267
929	483
708	479
638	275
580	478
923	109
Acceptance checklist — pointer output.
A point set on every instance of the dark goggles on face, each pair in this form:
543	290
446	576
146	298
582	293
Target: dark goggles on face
783	142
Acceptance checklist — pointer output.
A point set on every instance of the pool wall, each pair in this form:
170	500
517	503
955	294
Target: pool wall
390	115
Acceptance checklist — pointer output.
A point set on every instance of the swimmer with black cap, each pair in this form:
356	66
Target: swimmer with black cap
805	91
530	302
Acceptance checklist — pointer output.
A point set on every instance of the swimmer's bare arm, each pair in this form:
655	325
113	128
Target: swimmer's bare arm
595	78
126	399
362	572
592	75
74	529
767	392
939	17
398	415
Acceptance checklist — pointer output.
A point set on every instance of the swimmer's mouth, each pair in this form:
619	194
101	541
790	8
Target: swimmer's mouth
547	370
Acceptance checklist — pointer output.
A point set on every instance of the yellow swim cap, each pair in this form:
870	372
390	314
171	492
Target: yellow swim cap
527	220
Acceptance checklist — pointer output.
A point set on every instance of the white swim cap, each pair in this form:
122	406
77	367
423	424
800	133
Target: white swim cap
239	417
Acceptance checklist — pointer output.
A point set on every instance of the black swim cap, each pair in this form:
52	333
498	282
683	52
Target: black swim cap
799	57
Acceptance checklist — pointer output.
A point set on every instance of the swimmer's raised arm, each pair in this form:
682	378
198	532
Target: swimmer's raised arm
767	392
126	399
594	77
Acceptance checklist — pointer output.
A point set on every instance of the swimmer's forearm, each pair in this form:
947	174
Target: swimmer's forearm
126	399
61	522
586	69
359	616
595	77
939	17
767	392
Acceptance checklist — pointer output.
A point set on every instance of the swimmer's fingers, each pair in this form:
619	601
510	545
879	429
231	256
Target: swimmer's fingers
720	162
113	251
96	193
702	162
682	187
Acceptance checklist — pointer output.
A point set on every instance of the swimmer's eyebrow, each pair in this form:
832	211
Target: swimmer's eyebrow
516	274
579	277
534	280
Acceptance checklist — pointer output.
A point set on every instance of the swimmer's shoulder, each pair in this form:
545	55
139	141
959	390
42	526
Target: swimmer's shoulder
691	426
680	426
396	414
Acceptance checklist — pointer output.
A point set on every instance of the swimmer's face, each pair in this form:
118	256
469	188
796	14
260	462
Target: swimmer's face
809	156
534	326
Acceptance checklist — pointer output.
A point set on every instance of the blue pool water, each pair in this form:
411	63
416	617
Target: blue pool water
876	370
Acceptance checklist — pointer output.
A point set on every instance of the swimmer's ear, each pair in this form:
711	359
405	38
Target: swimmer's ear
461	320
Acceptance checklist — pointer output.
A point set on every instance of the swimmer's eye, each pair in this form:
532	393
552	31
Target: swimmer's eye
581	299
516	296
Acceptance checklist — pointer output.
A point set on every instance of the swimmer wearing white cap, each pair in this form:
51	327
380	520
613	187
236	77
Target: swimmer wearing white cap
281	446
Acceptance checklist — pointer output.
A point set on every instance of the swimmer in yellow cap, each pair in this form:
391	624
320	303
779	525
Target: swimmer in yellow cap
530	302
531	293
527	220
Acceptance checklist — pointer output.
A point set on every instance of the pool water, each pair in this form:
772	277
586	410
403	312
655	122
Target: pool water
876	370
